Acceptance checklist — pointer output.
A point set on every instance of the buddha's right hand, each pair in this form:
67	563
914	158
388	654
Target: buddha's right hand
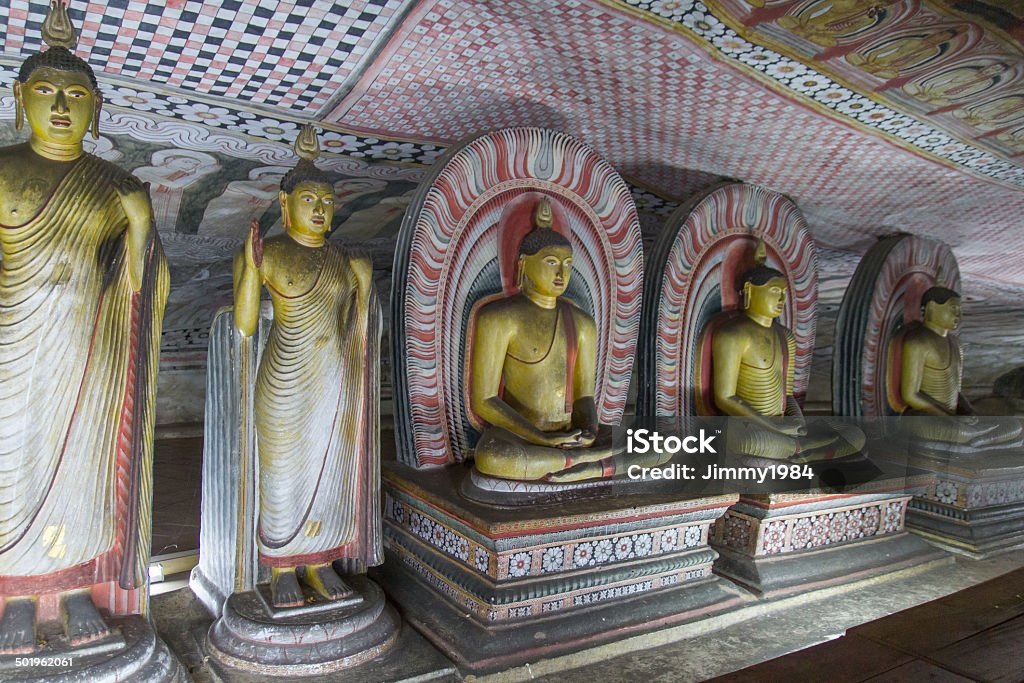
254	246
792	426
570	439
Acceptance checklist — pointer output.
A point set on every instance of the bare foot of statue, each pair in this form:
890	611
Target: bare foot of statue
285	590
18	627
82	621
585	470
324	580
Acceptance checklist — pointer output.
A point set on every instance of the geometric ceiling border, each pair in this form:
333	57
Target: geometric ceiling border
799	81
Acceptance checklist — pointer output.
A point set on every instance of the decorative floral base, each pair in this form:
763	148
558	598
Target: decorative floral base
781	543
503	564
976	505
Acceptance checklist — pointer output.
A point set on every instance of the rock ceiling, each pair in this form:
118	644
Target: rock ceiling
876	116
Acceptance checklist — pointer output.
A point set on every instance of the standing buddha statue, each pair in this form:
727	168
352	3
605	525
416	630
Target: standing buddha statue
315	395
83	283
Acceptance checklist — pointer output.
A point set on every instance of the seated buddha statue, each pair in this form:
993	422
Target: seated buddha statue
533	363
315	393
930	370
753	376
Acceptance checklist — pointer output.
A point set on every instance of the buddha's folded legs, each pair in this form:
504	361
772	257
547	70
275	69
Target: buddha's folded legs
980	432
499	453
823	441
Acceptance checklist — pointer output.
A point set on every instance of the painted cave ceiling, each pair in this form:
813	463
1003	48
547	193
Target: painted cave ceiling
876	116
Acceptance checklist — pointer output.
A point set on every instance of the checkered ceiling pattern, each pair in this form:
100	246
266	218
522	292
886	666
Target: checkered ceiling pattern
284	53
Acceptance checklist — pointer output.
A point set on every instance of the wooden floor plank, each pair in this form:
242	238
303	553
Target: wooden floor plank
918	670
845	660
941	623
996	654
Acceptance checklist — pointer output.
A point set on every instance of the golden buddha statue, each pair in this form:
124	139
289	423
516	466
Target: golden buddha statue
753	376
532	372
83	283
315	394
930	369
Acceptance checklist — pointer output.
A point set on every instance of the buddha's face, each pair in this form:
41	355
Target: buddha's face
766	300
59	105
945	316
309	208
547	272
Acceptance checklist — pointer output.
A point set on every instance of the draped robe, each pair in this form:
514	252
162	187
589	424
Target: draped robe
78	362
316	401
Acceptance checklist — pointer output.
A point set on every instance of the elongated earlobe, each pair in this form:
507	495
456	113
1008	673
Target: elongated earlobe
519	273
95	128
282	199
19	108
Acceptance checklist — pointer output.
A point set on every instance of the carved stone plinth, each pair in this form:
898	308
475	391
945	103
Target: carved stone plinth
976	505
495	586
132	653
782	543
252	636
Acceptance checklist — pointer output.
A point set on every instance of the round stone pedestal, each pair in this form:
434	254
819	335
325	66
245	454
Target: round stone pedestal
317	639
132	653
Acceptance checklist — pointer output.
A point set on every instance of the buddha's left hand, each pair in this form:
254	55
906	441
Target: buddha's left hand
134	195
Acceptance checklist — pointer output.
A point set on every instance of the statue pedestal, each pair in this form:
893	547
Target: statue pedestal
496	586
132	653
252	636
976	505
781	543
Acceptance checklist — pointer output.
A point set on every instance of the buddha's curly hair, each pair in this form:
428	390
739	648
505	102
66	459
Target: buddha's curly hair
538	238
59	58
304	172
760	275
939	295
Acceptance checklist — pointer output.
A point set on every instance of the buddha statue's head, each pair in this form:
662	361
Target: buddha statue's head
764	288
56	91
307	194
545	256
941	307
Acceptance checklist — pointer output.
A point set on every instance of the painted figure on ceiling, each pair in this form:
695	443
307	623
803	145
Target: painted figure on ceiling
753	376
242	202
896	56
827	22
957	84
172	172
316	393
1014	139
374	221
83	283
994	114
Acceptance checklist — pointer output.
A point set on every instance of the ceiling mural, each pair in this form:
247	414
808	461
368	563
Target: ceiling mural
963	76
